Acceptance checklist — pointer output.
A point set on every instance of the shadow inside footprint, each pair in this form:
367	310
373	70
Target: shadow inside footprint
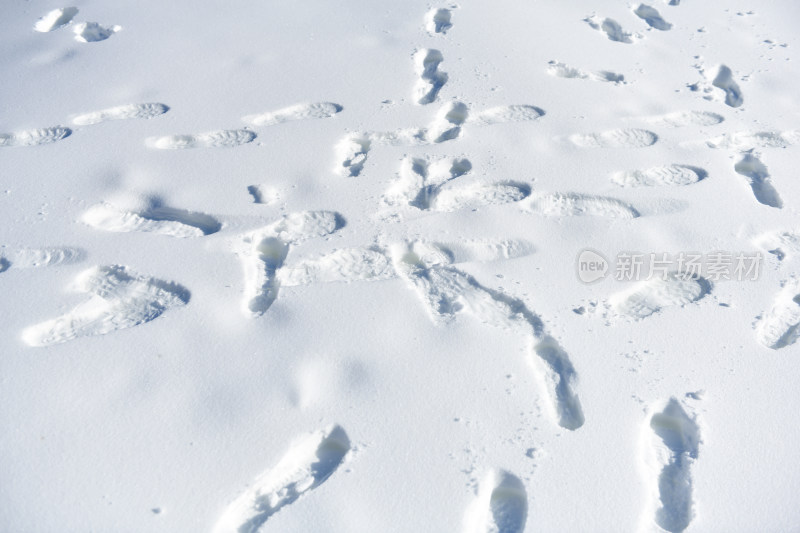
205	223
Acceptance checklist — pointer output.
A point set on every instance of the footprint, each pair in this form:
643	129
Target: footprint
651	16
4	264
346	265
371	264
122	112
438	21
448	292
780	326
621	138
561	70
723	79
263	251
211	139
352	153
573	204
431	79
431	186
475	195
262	255
648	297
758	177
672	175
263	194
55	19
420	180
295	112
309	461
155	219
501	505
47	257
35	137
352	150
120	299
747	140
610	27
782	244
680	119
92	32
446	126
673	447
503	114
468	251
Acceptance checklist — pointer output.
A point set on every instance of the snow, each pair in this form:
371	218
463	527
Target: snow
312	266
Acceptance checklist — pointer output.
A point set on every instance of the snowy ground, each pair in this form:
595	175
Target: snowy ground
314	266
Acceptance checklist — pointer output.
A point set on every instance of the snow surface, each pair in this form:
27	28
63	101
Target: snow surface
283	266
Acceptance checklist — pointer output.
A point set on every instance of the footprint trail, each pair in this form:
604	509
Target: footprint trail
448	292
